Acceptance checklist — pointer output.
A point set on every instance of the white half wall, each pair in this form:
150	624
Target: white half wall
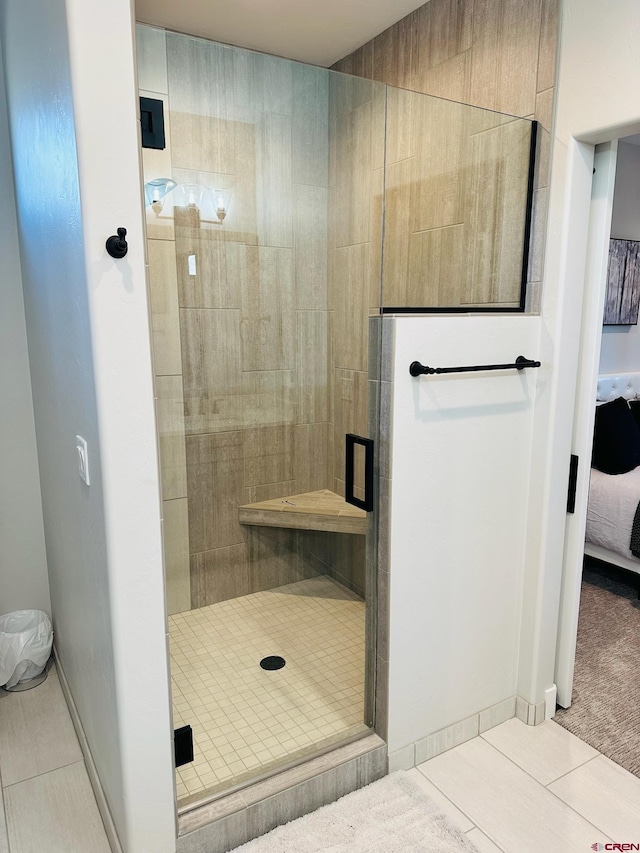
72	102
620	350
461	453
23	566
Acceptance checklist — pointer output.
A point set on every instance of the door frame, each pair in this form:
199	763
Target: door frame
597	254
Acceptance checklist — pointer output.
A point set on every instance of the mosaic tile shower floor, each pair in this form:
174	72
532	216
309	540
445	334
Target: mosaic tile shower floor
247	720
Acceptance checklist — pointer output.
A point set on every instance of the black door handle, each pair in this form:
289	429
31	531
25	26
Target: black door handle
350	498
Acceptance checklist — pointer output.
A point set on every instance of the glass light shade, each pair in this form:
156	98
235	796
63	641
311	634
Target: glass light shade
221	199
157	189
189	195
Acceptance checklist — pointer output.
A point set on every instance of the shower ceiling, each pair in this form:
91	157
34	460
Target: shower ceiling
319	32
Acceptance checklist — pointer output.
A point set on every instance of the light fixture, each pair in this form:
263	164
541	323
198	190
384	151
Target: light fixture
211	204
221	199
191	195
156	190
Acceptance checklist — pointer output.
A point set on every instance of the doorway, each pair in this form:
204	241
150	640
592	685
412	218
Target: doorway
609	353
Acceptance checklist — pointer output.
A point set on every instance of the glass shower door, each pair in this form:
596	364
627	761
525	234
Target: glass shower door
264	271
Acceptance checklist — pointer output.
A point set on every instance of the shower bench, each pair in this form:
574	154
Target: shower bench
320	510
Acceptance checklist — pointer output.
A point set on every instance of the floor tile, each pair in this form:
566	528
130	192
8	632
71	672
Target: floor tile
4	841
546	751
458	818
247	720
607	795
55	812
515	811
37	734
484	844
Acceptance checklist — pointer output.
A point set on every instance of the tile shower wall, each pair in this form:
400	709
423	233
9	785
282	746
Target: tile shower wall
495	54
261	323
255	392
357	115
357	112
165	328
259	372
456	196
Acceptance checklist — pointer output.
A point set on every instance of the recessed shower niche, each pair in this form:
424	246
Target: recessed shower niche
268	275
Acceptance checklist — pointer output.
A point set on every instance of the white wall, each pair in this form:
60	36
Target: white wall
88	329
621	344
23	566
461	451
598	82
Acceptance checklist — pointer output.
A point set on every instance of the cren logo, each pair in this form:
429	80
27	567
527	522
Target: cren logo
616	846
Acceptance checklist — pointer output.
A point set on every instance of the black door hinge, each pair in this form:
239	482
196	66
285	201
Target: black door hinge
573	482
183	745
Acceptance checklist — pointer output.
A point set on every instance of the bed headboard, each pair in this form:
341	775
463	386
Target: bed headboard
612	385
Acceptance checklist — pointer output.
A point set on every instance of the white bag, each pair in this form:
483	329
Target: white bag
26	637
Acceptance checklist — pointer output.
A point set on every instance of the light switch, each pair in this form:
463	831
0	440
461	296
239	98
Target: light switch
83	459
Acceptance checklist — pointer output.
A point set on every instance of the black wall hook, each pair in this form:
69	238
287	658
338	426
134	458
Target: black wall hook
117	246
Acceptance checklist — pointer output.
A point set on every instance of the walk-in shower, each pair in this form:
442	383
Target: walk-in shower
289	208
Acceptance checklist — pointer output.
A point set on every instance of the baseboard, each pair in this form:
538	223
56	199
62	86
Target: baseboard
550	700
448	737
529	713
4	838
101	800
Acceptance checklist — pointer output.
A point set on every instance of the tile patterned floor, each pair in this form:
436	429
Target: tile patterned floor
522	789
247	720
47	795
514	789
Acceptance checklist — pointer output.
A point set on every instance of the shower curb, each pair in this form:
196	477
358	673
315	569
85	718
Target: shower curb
230	821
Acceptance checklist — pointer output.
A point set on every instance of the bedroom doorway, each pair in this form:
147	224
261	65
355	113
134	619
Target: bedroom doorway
601	204
599	354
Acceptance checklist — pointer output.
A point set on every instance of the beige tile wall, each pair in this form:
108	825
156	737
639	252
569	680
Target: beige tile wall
165	326
495	54
456	193
266	338
356	167
243	330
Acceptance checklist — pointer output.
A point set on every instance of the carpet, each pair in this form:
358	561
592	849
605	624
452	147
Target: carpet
391	815
605	712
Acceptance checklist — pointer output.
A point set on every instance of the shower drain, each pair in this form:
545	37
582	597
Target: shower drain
272	662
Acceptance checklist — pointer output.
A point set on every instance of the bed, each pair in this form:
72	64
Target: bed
613	499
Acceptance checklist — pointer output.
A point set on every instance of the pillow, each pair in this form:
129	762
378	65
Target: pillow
616	438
